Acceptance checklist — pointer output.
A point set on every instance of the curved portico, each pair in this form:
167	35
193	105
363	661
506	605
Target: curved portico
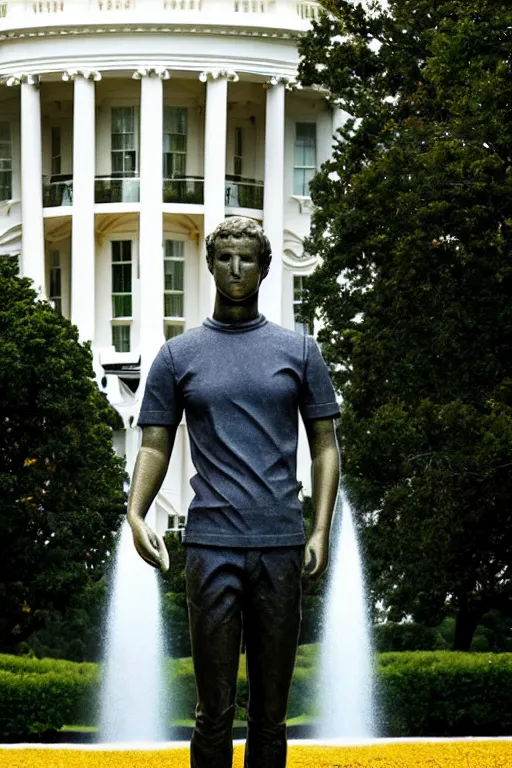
127	132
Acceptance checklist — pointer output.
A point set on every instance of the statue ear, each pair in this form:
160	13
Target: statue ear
264	272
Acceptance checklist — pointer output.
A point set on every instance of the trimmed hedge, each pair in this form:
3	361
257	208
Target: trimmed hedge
420	693
445	693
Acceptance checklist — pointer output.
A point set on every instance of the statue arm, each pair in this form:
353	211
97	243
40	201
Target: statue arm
325	476
148	476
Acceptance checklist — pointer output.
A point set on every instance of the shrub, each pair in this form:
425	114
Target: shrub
445	694
420	693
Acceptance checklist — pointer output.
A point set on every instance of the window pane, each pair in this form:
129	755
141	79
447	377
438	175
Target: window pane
5	185
123	119
121	278
121	338
297	287
171	331
5	132
173	275
175	120
174	249
122	306
178	143
173	305
55	259
305	144
55	282
299	184
121	250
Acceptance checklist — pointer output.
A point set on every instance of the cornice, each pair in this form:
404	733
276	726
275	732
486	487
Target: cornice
195	29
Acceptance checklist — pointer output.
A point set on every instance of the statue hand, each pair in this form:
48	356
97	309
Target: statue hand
316	556
149	545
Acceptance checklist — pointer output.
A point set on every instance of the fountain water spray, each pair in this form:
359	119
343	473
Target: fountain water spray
132	697
346	665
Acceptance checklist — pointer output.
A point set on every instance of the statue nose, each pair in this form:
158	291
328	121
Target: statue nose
235	266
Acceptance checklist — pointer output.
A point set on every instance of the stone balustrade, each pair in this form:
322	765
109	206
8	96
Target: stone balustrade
28	14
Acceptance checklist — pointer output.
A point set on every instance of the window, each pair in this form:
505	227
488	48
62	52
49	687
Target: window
239	147
55	293
175	142
174	285
121	338
5	161
305	157
298	292
123	152
56	151
121	293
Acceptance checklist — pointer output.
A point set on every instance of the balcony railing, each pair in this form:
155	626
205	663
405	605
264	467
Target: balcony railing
244	193
112	190
39	13
57	192
188	190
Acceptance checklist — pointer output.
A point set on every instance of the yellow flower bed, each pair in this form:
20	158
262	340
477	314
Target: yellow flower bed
479	754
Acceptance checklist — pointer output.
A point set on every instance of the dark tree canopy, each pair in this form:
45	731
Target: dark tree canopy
61	486
413	222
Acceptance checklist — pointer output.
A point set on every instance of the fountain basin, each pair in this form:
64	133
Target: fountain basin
375	753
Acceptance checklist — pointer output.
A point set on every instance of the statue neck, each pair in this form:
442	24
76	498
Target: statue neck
227	311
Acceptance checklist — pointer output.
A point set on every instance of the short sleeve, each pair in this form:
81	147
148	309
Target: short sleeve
317	400
162	403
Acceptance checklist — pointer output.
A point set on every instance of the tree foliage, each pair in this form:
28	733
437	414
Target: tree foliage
61	486
413	223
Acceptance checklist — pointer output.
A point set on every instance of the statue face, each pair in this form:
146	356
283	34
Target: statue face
236	268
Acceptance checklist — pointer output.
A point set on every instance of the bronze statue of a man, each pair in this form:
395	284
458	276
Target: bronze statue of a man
241	382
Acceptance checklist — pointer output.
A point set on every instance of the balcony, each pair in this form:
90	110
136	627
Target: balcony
58	191
244	193
188	190
279	14
116	190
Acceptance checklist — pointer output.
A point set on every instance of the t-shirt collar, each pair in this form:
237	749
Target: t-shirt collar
249	325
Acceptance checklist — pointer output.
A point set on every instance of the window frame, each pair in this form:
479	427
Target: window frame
306	329
6	161
55	272
168	157
174	321
121	321
124	174
302	190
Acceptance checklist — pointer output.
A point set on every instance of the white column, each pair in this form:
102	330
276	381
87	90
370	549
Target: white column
83	246
151	216
32	240
214	170
271	302
339	118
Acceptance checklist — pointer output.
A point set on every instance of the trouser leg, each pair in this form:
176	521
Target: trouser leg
272	612
214	594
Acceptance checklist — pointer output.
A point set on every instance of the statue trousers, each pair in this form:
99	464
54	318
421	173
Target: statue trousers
257	592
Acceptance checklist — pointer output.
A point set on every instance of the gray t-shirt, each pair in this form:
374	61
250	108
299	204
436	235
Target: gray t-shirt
241	387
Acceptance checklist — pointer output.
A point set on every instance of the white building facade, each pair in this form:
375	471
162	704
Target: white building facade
128	130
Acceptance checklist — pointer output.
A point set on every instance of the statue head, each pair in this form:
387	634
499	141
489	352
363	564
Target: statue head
237	228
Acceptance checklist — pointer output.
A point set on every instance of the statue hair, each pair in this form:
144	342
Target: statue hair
240	226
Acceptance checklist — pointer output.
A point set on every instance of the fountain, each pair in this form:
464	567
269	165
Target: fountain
133	693
346	665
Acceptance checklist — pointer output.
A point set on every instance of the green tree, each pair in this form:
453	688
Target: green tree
413	223
61	486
